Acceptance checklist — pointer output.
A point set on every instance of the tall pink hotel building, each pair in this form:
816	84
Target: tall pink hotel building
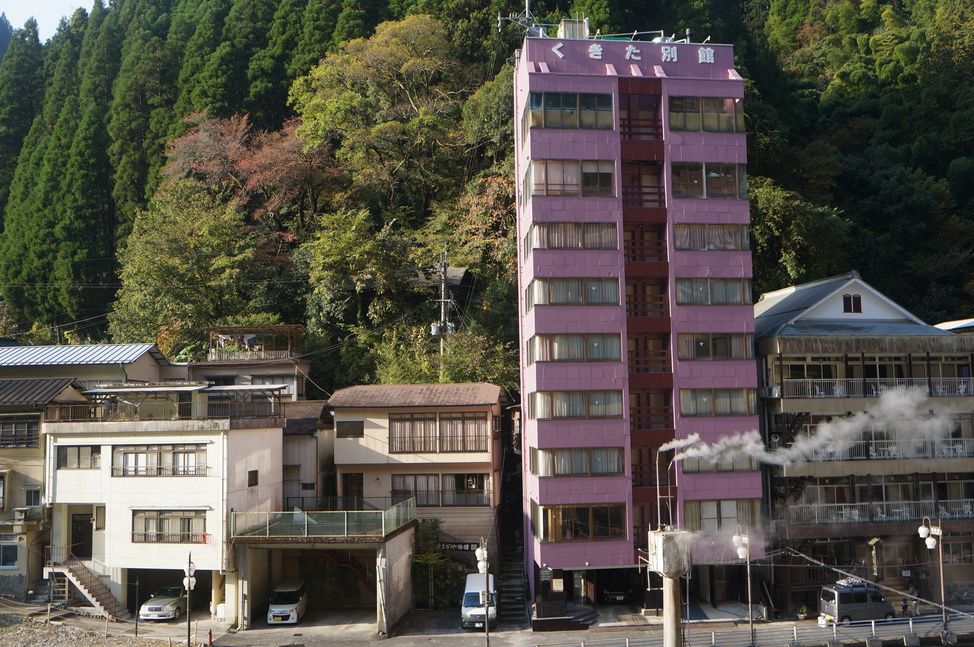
636	313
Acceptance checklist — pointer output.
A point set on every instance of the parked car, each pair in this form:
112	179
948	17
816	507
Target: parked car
472	609
845	604
288	603
165	604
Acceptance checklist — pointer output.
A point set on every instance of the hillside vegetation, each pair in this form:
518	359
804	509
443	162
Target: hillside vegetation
167	165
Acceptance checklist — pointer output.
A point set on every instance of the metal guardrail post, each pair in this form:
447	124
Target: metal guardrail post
346	523
305	523
267	524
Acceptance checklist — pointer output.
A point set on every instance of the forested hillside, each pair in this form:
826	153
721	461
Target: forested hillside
167	165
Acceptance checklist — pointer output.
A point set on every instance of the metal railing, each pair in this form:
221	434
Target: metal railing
640	128
650	361
346	523
647	305
63	557
645	251
170	538
837	513
642	196
869	387
650	417
220	355
127	411
896	449
160	470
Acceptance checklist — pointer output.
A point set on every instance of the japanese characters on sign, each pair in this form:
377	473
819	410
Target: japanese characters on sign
668	53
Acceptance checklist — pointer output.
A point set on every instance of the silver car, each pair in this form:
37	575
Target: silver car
165	604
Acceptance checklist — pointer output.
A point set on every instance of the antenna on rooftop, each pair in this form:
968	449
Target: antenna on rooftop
525	21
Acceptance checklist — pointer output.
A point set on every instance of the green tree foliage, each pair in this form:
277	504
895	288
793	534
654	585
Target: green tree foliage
191	261
266	75
391	104
6	34
21	93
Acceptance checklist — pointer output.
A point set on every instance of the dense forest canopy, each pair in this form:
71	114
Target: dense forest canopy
168	165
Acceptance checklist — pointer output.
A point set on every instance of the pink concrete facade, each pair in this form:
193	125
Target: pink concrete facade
623	70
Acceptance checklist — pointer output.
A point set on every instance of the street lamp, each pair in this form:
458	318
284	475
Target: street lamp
189	582
929	533
743	544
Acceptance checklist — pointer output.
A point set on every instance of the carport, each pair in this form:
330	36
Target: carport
349	557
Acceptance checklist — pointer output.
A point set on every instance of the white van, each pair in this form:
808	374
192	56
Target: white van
845	604
288	603
472	607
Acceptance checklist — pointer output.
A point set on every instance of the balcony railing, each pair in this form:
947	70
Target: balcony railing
640	251
346	523
637	128
869	388
647	305
897	449
642	196
650	361
444	498
160	470
169	538
125	411
223	355
880	512
651	417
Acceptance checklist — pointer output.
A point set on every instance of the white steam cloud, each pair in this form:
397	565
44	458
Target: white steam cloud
899	411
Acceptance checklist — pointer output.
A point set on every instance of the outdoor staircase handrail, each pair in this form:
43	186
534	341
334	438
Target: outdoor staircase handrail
62	556
364	571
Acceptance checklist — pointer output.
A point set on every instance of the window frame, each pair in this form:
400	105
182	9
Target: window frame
191	524
20	431
571	401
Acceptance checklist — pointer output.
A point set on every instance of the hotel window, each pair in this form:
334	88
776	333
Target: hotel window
715	346
574	348
585	461
706	114
713	517
737	463
709	181
590	178
851	303
573	235
19	431
570	110
711	238
717	402
579	522
588	292
548	405
713	292
168	526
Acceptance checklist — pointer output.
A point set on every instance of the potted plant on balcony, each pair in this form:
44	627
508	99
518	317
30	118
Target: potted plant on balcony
802	612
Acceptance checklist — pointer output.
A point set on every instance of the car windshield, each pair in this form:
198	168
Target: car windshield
473	600
284	597
168	592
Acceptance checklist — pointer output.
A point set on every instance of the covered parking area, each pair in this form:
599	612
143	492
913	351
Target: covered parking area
347	559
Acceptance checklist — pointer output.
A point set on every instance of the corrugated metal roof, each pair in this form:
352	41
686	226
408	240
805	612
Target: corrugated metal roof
36	391
417	395
90	354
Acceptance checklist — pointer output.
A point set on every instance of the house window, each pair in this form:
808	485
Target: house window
412	432
573	235
350	429
307	486
32	496
83	457
466	489
709	181
590	178
99	517
711	238
851	303
715	346
574	348
713	517
8	550
168	526
546	405
585	461
463	432
159	460
19	431
579	522
573	291
717	402
252	478
713	292
425	488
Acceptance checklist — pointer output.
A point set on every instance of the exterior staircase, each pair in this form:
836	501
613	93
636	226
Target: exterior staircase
511	584
62	567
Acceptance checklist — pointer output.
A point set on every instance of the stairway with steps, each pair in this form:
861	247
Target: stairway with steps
511	585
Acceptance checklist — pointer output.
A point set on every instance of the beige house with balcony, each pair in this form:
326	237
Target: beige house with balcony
436	443
838	350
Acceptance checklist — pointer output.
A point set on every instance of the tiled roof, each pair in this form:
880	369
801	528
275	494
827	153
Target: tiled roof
417	395
90	354
303	416
33	391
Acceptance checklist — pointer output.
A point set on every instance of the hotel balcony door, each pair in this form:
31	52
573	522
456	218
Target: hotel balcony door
81	535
